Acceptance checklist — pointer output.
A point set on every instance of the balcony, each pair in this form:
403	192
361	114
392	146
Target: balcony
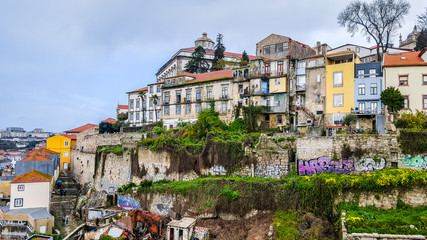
301	87
367	111
224	97
243	75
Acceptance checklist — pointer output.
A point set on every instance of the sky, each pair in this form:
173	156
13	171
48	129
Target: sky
67	63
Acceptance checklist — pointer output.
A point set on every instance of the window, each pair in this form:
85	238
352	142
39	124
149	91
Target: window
277	81
21	187
178	97
361	73
173	82
137	103
209	93
166	111
224	92
224	107
405	102
301	64
166	98
157	115
198	108
374	106
66	143
279	47
158	88
188	96
168	83
337	79
266	50
272	48
361	106
318	97
374	89
279	119
285	47
312	63
178	110
318	78
372	72
66	154
425	79
131	104
240	88
290	83
199	95
151	89
150	115
267	67
424	101
338	100
403	80
280	68
188	109
137	116
131	117
150	104
361	89
19	202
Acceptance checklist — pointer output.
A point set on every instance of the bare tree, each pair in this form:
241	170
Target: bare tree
377	20
422	21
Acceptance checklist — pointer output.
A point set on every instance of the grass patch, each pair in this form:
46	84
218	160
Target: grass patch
390	221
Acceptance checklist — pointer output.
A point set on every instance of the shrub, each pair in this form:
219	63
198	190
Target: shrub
230	194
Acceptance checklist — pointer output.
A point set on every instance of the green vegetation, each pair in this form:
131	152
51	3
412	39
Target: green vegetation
314	194
412	121
116	149
413	141
391	221
392	98
230	194
286	225
197	64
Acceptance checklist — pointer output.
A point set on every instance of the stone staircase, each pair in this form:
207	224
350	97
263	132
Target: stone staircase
62	205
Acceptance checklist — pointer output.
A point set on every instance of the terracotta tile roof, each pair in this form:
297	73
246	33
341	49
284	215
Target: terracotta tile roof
230	54
72	137
82	128
403	59
32	176
110	120
139	90
227	73
36	158
41	151
122	107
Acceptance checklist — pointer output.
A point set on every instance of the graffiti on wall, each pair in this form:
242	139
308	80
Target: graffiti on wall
164	205
127	202
369	165
218	170
271	171
417	162
324	164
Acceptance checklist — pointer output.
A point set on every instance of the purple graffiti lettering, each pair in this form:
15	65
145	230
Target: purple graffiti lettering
324	164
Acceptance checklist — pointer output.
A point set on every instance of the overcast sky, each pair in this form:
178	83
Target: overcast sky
67	63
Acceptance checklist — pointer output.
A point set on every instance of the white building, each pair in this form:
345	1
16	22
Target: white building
145	108
176	64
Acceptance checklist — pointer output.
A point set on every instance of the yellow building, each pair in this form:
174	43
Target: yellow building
62	144
339	100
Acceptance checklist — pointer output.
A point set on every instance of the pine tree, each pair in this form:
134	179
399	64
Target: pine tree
219	53
198	63
244	61
421	40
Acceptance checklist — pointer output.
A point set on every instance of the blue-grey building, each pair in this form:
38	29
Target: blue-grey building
368	85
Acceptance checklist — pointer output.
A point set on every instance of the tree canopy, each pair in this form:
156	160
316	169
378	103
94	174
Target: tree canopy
377	20
198	63
421	40
244	60
392	98
422	21
219	53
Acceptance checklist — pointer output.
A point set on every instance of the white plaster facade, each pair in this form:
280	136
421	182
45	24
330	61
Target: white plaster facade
32	195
